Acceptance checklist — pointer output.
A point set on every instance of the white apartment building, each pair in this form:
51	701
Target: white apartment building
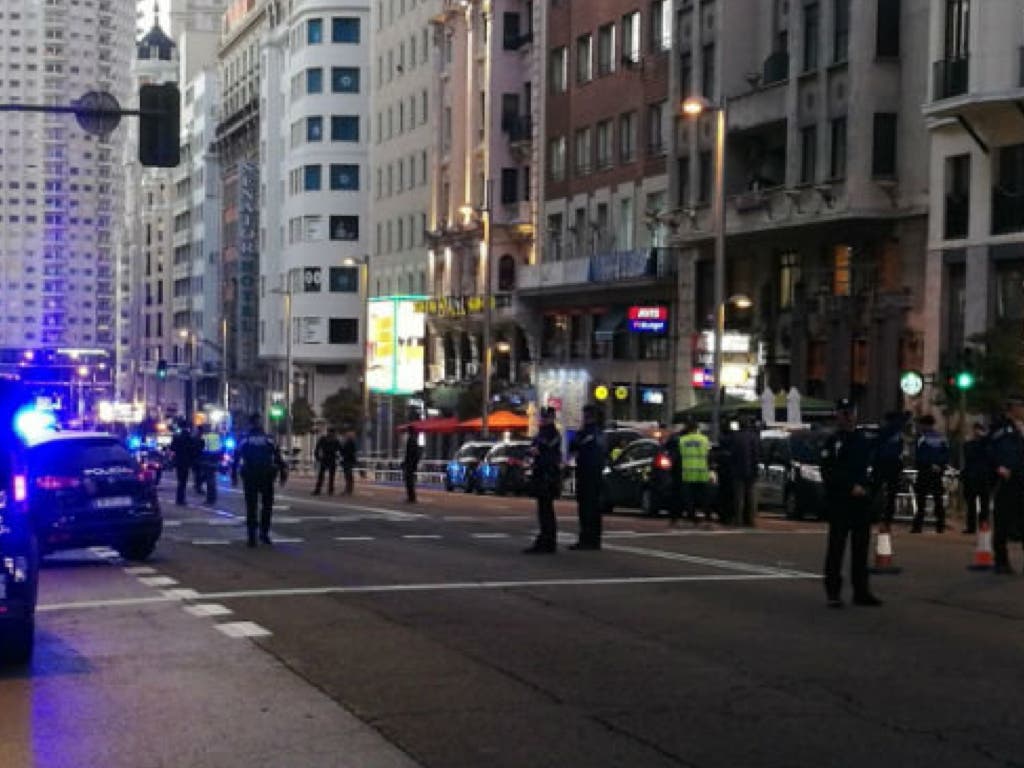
403	103
61	188
975	268
314	234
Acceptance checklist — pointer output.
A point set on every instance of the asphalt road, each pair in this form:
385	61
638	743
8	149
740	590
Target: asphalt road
375	633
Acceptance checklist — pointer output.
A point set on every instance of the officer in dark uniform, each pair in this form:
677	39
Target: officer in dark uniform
411	463
547	481
326	454
349	460
261	462
977	478
1008	460
930	459
844	467
591	452
183	448
889	464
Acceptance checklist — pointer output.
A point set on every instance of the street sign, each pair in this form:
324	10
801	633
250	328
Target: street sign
648	319
98	113
911	383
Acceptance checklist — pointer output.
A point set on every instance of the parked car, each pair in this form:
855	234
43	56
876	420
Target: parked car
641	477
505	469
85	489
620	437
461	470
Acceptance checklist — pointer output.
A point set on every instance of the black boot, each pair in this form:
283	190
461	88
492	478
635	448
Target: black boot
252	538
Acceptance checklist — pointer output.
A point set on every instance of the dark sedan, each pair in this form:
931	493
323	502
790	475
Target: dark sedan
86	489
461	470
505	469
639	478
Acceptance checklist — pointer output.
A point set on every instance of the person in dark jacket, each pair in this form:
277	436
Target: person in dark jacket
976	478
591	452
546	451
261	463
1007	453
326	452
745	460
930	458
410	463
845	458
889	464
349	459
183	448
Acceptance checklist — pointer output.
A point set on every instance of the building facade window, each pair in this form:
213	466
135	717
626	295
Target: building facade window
887	32
556	155
559	70
631	37
314	80
582	156
837	167
812	32
808	154
314	31
344	30
584	59
842	275
344	228
883	155
1008	192
344	79
343	330
606	50
604	144
841	30
314	128
344	128
344	177
627	137
656	128
311	178
957	184
661	25
789	278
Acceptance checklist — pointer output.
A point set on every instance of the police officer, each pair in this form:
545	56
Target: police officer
547	480
694	454
326	452
844	467
590	449
198	444
930	458
349	459
210	462
411	463
1008	459
183	449
261	462
889	464
977	477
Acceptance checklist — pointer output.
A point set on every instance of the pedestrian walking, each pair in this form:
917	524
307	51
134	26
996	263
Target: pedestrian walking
546	451
261	463
411	463
326	453
591	452
1008	459
349	459
888	465
183	451
846	456
694	451
745	455
931	457
976	478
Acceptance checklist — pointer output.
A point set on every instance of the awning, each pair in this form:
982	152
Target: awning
609	323
443	425
499	420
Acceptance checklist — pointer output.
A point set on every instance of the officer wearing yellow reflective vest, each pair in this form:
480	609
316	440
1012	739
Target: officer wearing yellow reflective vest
213	449
694	449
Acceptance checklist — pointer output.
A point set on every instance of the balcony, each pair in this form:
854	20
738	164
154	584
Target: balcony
554	274
609	267
518	127
1007	212
950	78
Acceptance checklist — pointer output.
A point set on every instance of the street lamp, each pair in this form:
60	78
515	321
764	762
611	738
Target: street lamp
364	286
693	108
191	338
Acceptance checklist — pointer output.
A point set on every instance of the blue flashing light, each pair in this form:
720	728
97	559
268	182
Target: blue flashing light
32	424
230	444
134	443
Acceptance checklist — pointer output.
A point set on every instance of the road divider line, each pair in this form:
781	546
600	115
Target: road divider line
158	581
489	535
208	609
240	629
727	565
140	570
211	542
422	536
353	538
180	594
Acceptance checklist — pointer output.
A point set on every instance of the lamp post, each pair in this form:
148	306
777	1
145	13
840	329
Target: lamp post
364	287
693	108
286	293
190	338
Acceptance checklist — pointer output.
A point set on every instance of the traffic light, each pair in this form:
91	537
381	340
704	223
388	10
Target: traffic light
161	369
964	380
276	411
160	125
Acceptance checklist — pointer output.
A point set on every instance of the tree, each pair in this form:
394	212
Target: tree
302	416
343	408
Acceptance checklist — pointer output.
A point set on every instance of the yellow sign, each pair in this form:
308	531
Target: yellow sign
622	393
601	392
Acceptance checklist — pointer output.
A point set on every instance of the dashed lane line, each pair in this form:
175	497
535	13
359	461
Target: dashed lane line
422	536
208	609
158	581
241	629
354	538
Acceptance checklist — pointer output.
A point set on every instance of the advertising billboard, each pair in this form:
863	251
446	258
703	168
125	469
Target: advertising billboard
394	348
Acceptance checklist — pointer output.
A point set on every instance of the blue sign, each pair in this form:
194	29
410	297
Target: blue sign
648	326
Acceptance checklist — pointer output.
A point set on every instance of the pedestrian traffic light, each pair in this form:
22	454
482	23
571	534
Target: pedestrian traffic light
277	411
964	380
160	125
161	369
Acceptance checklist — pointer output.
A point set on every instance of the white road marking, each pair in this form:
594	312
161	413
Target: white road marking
180	594
460	518
286	540
104	552
287	520
219	521
727	565
389	514
489	535
208	609
158	581
114	603
242	629
210	542
140	570
172	523
282	507
354	538
421	536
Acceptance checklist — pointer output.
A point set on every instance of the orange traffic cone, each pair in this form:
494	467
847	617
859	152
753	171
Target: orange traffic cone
883	553
983	557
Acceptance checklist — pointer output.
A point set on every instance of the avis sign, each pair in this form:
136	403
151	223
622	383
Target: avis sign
648	319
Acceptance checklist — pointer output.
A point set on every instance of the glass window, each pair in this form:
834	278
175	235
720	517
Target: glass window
812	29
311	178
789	277
556	152
314	128
344	79
841	273
958	196
314	31
661	25
584	59
344	128
314	80
559	73
344	279
343	330
837	169
883	156
887	34
344	30
344	177
582	156
631	37
606	49
655	128
344	228
841	31
808	154
627	137
604	144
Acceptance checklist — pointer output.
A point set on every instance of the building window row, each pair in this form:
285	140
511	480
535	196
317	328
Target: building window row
341	177
595	147
403	58
401	233
311	129
402	175
343	29
343	80
404	115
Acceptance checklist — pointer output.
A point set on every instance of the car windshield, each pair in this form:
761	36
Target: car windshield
72	456
473	451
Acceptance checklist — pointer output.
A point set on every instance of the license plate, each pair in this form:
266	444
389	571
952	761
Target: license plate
112	502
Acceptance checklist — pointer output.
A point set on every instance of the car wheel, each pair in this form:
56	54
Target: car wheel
138	548
647	504
17	643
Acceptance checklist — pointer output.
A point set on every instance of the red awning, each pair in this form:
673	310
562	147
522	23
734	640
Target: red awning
500	420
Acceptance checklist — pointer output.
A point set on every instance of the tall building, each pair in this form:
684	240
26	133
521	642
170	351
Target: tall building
826	182
484	194
314	234
62	187
975	272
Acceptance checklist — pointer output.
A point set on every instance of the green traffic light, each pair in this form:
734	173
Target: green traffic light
964	380
276	412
